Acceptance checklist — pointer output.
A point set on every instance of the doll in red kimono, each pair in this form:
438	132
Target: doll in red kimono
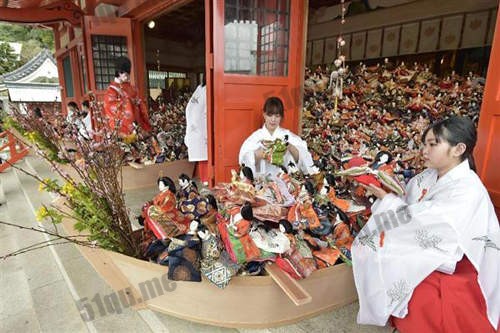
122	107
162	216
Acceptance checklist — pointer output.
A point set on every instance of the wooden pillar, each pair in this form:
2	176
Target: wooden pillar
139	65
487	151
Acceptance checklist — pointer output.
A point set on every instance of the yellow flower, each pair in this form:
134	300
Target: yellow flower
42	213
68	188
42	187
32	136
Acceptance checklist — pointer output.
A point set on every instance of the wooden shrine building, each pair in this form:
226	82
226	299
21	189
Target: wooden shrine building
247	51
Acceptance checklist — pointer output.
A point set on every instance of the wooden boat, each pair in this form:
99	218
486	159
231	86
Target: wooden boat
248	301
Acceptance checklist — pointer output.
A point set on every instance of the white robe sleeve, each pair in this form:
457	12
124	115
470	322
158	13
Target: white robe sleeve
305	159
247	150
414	244
196	126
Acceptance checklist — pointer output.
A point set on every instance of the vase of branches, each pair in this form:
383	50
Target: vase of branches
96	200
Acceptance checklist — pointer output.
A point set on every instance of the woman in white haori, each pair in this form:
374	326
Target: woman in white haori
252	150
430	261
196	125
84	121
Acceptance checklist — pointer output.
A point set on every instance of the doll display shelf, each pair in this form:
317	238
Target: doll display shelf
247	302
142	176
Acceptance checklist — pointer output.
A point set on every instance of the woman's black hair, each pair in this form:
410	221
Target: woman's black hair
168	182
274	105
73	105
455	130
37	112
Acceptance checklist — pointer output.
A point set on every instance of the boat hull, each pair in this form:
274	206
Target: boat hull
247	302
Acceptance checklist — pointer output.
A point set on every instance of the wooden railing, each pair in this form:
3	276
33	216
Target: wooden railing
17	150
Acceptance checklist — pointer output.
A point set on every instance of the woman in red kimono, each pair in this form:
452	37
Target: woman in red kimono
122	107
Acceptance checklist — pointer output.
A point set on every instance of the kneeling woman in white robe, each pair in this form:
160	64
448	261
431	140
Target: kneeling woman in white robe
446	221
252	150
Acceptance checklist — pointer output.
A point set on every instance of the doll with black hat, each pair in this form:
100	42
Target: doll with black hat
123	108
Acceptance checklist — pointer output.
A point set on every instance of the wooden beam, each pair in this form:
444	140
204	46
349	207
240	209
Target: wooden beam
110	2
298	295
130	5
146	9
90	7
73	43
56	12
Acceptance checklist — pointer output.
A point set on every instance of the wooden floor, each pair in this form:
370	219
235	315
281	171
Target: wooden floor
40	291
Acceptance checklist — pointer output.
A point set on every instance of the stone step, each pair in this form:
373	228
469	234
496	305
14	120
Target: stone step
58	276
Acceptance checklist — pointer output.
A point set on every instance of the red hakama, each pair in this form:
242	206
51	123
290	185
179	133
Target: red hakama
447	304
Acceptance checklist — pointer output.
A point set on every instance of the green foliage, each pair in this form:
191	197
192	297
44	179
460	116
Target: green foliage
33	39
8	61
94	201
30	49
94	215
9	122
37	138
46	145
22	33
90	212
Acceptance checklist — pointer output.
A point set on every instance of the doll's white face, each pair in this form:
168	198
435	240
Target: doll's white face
384	158
124	77
162	186
183	183
194	226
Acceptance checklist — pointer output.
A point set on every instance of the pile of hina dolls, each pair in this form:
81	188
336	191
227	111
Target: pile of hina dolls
166	142
295	221
382	108
304	223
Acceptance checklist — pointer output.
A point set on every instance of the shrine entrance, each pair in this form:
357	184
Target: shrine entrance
258	52
174	51
246	51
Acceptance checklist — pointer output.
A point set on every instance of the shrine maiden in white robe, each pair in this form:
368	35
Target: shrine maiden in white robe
444	219
253	142
196	125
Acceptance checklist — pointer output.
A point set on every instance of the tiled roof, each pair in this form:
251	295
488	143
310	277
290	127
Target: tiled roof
29	67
